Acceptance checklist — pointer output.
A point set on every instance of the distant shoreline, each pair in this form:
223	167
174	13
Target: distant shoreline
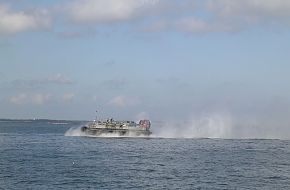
43	120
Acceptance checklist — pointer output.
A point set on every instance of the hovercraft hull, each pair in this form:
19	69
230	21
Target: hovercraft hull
117	132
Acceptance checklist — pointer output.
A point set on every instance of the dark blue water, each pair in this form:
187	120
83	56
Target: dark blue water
37	155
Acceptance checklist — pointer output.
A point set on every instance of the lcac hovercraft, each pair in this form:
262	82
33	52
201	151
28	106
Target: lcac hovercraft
119	128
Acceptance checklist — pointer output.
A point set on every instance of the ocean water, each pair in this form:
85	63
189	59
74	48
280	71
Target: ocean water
38	155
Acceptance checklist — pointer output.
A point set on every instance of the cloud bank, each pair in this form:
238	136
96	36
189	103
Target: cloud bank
40	98
12	22
102	11
151	15
123	101
57	79
235	15
35	99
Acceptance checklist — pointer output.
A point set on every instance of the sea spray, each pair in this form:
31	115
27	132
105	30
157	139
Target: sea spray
206	126
212	125
222	125
74	131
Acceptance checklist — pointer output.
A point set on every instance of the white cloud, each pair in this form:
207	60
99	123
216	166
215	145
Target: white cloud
118	101
103	10
115	83
35	99
18	99
250	8
58	79
123	101
190	16
142	115
225	16
68	97
12	22
124	11
241	14
184	24
192	25
40	99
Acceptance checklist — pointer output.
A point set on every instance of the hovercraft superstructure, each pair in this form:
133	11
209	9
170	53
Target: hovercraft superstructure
120	128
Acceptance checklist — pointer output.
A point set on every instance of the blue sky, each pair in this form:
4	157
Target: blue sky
158	59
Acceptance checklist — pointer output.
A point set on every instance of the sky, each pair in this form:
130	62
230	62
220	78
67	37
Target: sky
156	59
